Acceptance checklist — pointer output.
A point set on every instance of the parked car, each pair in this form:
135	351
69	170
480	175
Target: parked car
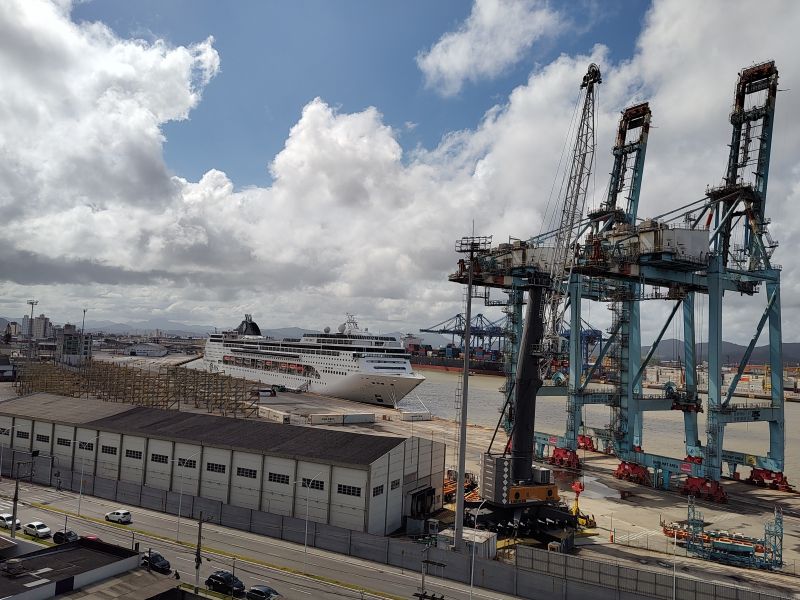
225	582
262	592
37	529
64	536
6	519
119	516
156	562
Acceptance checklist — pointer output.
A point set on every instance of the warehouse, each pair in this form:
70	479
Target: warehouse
146	349
350	480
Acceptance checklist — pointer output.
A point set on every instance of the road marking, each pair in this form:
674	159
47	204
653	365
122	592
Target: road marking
299	590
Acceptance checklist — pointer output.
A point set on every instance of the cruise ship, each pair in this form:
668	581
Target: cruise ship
351	364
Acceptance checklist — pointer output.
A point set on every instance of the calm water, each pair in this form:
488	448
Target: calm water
663	430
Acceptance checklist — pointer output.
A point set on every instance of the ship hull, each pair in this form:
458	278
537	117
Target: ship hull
366	388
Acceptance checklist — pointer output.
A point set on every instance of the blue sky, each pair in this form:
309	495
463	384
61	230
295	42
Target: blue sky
277	56
136	139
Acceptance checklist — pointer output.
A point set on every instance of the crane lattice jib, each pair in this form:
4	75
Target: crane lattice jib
572	208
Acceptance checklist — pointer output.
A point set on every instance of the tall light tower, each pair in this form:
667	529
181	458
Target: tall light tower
30	329
466	245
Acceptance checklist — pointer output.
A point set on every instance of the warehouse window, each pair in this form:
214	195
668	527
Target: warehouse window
135	454
108	450
43	438
5	430
64	442
23	434
159	458
189	463
314	484
243	472
278	478
349	490
377	490
86	446
215	467
395	484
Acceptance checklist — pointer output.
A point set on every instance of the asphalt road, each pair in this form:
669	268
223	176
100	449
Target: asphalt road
260	559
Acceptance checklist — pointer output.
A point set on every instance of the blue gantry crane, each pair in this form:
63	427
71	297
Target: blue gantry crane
486	333
715	245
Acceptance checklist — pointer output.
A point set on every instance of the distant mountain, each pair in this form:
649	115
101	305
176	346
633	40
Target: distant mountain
672	349
165	326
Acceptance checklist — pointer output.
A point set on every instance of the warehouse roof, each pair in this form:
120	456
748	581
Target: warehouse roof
291	441
62	409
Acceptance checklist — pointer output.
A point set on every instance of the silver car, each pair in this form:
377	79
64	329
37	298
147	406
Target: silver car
6	519
37	529
119	516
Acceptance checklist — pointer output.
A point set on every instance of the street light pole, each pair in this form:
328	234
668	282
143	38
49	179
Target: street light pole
305	539
80	492
10	441
472	567
34	454
674	569
94	453
180	496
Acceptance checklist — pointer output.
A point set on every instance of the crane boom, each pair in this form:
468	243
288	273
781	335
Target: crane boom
572	208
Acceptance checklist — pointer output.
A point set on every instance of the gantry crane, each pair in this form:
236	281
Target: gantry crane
481	328
674	257
718	244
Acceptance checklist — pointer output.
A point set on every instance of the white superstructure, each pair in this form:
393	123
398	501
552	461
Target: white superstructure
351	364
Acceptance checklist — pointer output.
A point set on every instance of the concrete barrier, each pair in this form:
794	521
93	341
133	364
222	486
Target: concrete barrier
415	416
276	416
358	418
326	419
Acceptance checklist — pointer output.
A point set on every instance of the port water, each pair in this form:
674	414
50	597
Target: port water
663	431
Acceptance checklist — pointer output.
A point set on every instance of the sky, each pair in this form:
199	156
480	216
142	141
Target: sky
196	160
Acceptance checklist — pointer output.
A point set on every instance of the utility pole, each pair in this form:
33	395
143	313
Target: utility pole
466	245
198	559
34	454
30	329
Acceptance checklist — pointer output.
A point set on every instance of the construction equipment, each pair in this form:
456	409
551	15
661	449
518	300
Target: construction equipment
585	520
518	492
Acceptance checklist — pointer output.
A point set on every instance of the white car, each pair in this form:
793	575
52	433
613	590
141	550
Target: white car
6	519
119	516
37	529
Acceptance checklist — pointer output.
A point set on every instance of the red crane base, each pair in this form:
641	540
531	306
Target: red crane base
632	472
767	478
564	457
586	443
700	487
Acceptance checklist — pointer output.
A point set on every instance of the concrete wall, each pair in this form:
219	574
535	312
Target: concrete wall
215	483
42	439
386	510
133	459
246	476
309	499
108	455
278	497
22	434
158	473
186	469
347	510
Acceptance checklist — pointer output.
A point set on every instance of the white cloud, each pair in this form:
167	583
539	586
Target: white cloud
351	222
494	37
